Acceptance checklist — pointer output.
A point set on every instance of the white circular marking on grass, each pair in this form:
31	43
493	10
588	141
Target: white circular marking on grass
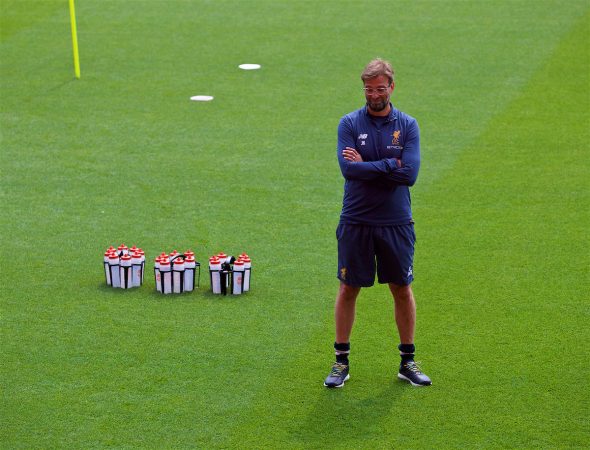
201	98
249	66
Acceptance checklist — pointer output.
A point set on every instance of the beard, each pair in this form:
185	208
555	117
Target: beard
378	106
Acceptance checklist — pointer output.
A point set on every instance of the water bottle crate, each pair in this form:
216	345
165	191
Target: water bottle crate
177	273
228	274
124	267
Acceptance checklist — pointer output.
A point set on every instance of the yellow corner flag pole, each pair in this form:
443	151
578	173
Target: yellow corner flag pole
74	39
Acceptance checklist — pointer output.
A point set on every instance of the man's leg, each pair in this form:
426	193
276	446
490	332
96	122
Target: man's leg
405	312
344	312
356	267
405	318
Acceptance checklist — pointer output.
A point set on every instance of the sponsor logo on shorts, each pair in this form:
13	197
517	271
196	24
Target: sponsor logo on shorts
343	273
410	271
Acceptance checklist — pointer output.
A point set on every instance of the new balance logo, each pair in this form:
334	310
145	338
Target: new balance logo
363	136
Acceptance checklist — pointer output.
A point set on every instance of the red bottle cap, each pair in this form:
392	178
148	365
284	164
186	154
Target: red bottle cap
126	257
165	262
179	261
189	258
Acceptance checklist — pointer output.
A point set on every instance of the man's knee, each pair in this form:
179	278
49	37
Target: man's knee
401	292
347	292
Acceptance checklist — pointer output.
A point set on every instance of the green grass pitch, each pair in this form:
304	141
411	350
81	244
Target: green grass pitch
501	90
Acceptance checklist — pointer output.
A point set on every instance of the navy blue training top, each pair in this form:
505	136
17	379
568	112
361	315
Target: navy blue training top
376	190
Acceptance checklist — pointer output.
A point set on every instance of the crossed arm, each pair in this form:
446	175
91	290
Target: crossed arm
391	171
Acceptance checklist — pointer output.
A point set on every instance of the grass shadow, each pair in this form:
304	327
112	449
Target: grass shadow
61	84
348	411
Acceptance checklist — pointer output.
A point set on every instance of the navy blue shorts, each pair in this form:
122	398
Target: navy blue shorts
364	249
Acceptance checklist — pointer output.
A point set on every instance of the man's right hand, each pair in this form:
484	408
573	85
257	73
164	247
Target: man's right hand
350	154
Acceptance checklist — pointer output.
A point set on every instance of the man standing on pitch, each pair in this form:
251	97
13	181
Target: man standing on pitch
379	156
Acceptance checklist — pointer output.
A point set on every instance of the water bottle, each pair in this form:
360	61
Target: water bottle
238	277
189	273
157	276
136	269
114	270
214	272
247	271
125	271
107	272
178	276
166	276
142	253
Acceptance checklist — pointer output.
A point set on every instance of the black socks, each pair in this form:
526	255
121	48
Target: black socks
406	352
342	352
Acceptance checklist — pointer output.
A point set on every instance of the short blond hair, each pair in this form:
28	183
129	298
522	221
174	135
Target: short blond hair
376	68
